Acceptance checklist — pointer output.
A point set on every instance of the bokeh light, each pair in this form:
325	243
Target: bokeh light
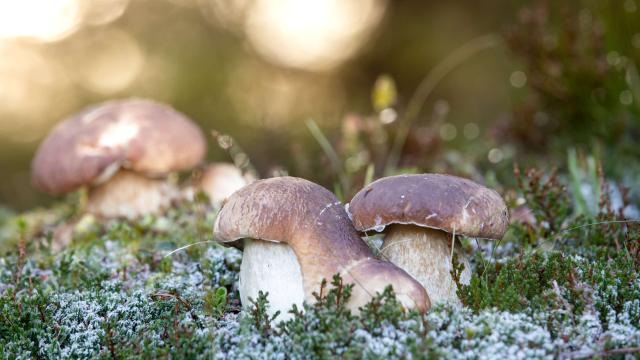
471	131
388	115
441	108
272	98
495	155
626	97
107	62
448	131
229	14
630	6
101	12
518	79
44	20
34	88
255	69
313	34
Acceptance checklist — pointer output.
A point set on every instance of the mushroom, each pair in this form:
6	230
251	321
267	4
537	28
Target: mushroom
220	180
123	151
523	215
421	214
295	234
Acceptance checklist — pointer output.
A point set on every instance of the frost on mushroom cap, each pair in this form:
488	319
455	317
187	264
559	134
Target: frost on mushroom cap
437	201
136	134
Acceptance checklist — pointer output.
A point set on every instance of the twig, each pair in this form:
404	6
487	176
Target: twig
109	338
557	234
235	151
179	299
187	246
565	303
453	244
334	159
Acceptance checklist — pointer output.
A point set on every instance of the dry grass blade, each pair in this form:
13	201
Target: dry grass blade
334	159
427	86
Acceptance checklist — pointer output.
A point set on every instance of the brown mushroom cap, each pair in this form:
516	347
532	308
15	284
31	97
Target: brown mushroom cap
287	209
314	223
135	134
443	202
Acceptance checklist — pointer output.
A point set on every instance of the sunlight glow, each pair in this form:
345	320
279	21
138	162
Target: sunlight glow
109	62
278	96
312	34
35	90
229	14
101	12
119	134
44	20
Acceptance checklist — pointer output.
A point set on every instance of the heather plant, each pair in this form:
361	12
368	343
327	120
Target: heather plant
580	62
578	270
563	283
117	295
580	65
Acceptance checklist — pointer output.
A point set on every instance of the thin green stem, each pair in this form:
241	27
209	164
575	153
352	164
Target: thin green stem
334	159
426	87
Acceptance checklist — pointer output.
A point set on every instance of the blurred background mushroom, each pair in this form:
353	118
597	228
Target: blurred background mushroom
123	152
523	215
498	83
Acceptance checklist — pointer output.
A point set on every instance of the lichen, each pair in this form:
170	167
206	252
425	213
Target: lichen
115	293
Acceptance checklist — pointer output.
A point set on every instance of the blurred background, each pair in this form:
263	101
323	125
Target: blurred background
458	86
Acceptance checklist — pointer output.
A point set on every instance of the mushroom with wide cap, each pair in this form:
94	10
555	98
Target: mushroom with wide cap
295	234
123	151
420	214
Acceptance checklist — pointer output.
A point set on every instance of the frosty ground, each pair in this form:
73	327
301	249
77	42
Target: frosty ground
114	293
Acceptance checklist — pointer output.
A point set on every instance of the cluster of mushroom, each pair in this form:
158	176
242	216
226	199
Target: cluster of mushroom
294	233
124	152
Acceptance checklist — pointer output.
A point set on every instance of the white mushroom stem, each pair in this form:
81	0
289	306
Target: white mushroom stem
130	195
425	254
271	267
